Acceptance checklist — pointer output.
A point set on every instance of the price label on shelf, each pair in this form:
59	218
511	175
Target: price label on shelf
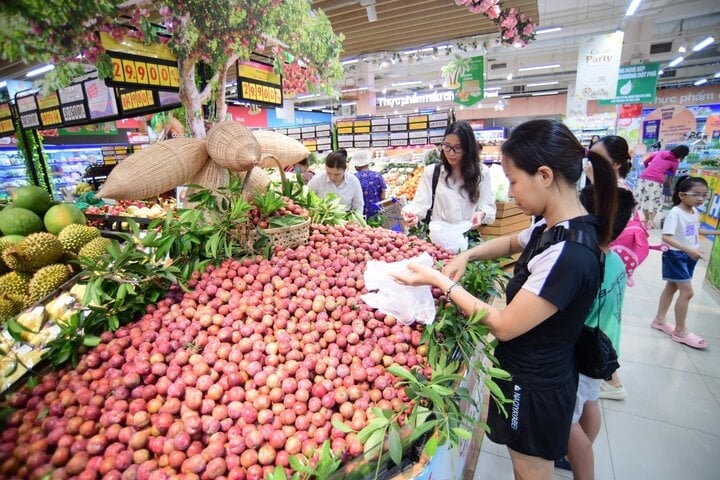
50	118
136	99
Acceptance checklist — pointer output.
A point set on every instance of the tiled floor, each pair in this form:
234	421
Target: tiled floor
668	427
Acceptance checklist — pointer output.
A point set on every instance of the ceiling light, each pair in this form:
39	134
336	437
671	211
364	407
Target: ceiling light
538	67
384	91
660	72
431	86
402	84
507	96
509	76
300	97
40	71
348	62
541	84
348	104
540	94
701	81
703	44
326	111
384	64
682	49
547	30
494	88
717	75
631	9
676	62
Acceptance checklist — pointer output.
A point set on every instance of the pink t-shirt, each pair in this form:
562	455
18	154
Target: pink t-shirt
657	164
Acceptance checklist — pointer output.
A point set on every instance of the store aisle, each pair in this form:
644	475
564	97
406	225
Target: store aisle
668	427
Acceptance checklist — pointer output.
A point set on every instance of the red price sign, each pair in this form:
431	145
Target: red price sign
117	67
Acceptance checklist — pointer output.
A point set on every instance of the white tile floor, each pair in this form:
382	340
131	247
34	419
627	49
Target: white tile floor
668	427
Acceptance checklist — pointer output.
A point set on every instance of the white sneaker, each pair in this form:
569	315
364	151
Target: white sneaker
609	392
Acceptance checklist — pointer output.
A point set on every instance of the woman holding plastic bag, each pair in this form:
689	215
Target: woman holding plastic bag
454	191
548	297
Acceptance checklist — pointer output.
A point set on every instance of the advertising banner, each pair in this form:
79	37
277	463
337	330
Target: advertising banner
598	66
676	122
471	82
636	84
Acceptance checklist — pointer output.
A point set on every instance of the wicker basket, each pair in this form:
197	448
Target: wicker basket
155	169
278	147
255	181
233	146
287	237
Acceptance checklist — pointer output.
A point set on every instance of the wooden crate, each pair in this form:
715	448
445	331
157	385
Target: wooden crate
508	220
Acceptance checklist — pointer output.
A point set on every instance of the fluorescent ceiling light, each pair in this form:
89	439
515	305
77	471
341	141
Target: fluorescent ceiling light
631	9
540	94
305	109
348	62
348	104
682	49
402	84
358	89
509	76
717	75
492	88
40	71
676	62
538	67
547	30
541	84
701	81
326	111
418	50
507	96
703	44
300	97
445	46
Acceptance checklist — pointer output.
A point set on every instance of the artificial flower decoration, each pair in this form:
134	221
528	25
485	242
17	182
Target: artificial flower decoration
515	27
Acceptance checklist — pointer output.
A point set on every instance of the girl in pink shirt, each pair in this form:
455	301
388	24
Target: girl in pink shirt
650	184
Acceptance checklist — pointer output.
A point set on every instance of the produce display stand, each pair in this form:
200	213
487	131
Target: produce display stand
508	220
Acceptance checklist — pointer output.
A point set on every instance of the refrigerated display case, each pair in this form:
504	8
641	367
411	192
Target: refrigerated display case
12	170
67	164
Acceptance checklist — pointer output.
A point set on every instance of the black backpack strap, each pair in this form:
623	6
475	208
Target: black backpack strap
435	179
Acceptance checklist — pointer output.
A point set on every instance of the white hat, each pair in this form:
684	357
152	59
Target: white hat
361	158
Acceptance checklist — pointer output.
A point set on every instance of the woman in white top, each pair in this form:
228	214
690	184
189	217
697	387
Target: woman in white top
463	192
336	180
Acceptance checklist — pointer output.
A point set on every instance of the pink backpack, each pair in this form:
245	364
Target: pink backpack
633	247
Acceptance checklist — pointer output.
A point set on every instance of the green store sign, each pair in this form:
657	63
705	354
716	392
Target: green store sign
636	84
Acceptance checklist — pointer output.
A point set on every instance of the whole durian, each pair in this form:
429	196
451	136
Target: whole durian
4	244
9	307
75	236
33	252
47	280
15	283
95	248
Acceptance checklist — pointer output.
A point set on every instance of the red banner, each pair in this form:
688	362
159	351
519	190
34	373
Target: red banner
250	117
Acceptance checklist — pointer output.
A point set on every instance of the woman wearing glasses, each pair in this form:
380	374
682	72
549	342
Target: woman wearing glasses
463	189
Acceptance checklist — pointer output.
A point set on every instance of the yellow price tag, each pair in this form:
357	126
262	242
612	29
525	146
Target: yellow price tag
117	67
129	71
164	75
153	73
174	76
50	117
141	73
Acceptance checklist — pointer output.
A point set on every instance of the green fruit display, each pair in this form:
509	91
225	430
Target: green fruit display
33	198
20	221
95	248
9	307
60	216
34	252
75	236
15	283
47	280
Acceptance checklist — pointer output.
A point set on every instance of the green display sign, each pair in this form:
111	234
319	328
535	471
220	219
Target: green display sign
471	82
636	84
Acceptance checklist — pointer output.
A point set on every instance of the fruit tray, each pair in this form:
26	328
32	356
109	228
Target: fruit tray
116	223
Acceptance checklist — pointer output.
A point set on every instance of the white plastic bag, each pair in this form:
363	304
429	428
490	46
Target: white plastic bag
450	236
406	303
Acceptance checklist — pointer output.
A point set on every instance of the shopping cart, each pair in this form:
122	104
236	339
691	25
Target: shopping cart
390	212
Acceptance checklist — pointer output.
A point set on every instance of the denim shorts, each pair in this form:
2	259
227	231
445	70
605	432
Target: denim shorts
677	266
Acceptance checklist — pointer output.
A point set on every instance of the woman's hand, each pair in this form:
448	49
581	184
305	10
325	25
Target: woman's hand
455	269
409	218
477	218
417	274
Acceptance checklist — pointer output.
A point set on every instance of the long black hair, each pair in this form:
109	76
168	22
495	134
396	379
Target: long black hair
470	163
683	184
617	149
551	144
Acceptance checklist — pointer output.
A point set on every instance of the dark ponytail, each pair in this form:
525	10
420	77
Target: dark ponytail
617	149
605	198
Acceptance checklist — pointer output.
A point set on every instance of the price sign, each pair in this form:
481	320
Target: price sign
74	112
136	99
136	65
257	83
6	123
50	118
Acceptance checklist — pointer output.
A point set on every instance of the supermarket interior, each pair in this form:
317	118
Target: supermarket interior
181	297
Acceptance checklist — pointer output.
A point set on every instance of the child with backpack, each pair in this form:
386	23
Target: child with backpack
681	232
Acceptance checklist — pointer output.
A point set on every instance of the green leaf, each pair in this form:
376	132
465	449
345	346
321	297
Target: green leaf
341	426
374	441
498	373
431	446
395	445
462	433
401	372
91	340
285	221
420	430
441	390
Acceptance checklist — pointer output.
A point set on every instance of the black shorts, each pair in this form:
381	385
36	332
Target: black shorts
538	420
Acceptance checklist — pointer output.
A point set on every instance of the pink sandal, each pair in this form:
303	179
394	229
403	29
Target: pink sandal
691	340
664	327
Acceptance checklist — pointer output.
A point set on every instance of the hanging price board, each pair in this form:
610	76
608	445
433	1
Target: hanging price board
49	110
132	100
257	83
28	110
136	65
6	121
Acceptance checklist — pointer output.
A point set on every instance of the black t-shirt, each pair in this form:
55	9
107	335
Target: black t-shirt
566	274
